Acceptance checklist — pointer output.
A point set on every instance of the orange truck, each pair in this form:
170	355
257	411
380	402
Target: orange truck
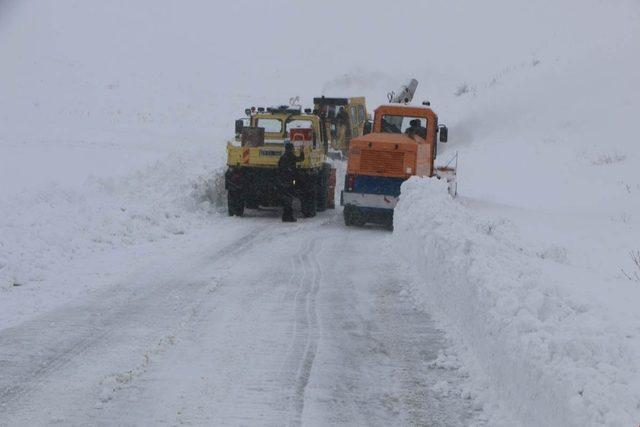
402	143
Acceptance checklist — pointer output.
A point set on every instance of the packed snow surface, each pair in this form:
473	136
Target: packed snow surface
193	337
113	124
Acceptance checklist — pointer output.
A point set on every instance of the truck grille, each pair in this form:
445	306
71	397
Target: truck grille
382	162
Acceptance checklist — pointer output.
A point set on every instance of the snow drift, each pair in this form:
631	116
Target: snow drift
558	350
48	227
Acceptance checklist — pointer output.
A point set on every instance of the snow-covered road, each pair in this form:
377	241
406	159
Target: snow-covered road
269	324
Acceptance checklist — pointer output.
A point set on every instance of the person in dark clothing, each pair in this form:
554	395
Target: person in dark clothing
416	129
287	171
342	118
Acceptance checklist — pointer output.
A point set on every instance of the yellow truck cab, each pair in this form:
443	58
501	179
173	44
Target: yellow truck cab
252	178
278	124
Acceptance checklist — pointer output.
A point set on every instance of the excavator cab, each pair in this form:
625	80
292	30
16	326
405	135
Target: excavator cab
343	119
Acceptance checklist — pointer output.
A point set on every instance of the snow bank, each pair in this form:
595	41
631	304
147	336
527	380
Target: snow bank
557	346
43	228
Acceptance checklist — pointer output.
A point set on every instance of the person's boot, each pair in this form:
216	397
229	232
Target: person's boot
288	219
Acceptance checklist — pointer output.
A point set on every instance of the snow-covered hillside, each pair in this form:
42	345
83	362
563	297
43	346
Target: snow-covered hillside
114	118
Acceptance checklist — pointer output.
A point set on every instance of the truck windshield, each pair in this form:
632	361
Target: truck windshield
298	124
270	125
404	124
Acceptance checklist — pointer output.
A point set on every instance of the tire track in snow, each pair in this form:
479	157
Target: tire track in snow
304	343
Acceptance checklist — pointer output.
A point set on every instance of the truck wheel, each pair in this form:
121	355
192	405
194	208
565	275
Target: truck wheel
388	224
309	203
251	203
235	203
323	187
353	216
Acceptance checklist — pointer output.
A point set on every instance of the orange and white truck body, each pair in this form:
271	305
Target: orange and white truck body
403	143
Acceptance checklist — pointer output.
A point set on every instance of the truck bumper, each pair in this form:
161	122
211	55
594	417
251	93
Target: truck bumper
367	200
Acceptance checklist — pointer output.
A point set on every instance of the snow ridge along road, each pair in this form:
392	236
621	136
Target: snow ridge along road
299	338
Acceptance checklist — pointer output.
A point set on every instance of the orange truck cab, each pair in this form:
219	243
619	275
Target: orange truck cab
403	143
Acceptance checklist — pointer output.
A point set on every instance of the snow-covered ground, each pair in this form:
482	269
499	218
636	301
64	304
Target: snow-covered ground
113	122
53	235
556	339
301	337
532	267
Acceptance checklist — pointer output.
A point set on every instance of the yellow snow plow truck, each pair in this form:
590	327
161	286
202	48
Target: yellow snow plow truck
252	178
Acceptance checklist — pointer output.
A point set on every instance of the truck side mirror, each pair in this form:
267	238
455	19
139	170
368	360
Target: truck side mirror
444	133
239	126
367	128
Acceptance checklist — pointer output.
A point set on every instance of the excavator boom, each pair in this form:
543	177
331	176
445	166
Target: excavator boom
405	94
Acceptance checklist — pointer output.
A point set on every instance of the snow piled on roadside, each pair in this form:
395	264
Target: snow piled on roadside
556	345
44	228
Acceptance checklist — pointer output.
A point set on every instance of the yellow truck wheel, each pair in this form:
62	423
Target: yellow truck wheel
235	203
